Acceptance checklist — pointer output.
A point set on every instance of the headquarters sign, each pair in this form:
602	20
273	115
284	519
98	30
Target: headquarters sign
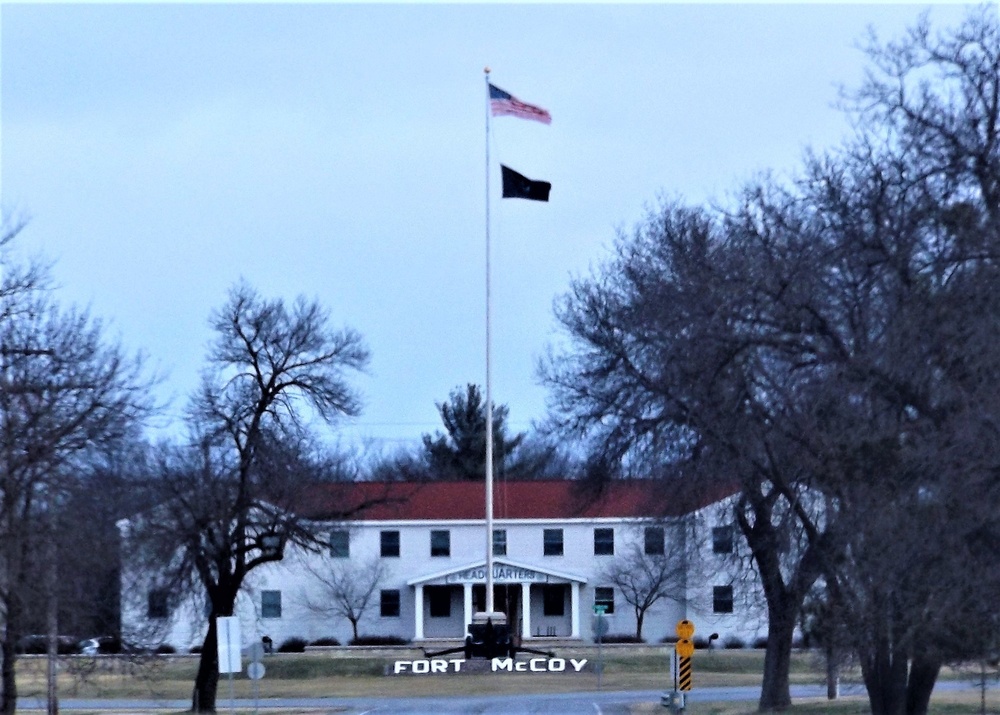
502	573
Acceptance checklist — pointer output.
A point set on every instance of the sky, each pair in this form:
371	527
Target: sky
163	152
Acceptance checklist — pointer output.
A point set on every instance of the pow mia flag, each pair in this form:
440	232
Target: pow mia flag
516	186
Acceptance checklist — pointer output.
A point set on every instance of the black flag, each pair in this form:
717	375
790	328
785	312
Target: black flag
516	186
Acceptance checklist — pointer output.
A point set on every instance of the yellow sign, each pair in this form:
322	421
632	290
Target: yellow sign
684	648
685	629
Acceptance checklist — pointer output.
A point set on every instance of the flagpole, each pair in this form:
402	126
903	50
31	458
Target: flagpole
489	397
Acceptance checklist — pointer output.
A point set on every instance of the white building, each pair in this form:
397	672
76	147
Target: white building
553	547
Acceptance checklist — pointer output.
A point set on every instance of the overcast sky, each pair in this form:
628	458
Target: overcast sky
163	152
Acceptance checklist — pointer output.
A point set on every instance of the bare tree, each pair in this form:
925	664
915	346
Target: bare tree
64	391
831	345
644	579
346	588
229	505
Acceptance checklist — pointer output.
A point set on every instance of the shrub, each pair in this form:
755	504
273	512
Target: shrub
196	649
293	645
733	643
327	640
760	642
379	640
621	638
700	642
165	649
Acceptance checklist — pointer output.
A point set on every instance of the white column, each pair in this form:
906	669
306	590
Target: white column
468	606
418	612
526	609
574	609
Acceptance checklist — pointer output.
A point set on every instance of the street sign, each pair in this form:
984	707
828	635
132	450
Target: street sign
685	629
255	671
684	648
227	631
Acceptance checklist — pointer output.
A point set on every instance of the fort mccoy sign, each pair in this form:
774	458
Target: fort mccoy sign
440	666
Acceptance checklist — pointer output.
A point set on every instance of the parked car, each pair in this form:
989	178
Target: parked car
99	645
36	644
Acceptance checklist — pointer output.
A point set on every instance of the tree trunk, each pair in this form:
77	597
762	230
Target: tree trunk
923	675
8	648
884	670
774	692
354	627
639	615
206	683
832	673
8	689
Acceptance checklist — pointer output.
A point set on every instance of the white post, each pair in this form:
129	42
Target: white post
526	609
418	612
467	593
574	609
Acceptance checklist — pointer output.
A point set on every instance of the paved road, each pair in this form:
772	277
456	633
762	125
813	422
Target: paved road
599	702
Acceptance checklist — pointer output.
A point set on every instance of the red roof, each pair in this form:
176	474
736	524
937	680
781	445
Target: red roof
549	499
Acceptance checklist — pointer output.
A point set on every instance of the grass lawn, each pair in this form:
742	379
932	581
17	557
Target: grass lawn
355	673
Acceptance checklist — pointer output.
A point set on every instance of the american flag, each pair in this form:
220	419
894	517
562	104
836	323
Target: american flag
504	103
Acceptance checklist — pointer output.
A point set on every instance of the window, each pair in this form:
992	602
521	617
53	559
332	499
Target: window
554	600
499	542
270	604
605	596
390	543
552	542
722	540
157	605
439	598
389	604
722	599
654	541
340	544
604	542
440	543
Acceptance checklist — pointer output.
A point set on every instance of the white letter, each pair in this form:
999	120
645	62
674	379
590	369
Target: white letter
439	666
421	666
502	664
578	664
457	663
557	665
533	668
400	666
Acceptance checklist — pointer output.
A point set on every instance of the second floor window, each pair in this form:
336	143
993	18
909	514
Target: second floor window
440	543
270	604
340	544
654	541
722	540
389	543
157	603
499	542
552	542
604	542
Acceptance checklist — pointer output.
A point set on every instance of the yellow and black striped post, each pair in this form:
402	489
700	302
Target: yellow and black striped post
684	673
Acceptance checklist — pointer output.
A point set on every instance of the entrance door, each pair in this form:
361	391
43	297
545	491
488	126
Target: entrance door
506	599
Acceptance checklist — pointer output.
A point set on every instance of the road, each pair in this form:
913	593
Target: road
597	702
